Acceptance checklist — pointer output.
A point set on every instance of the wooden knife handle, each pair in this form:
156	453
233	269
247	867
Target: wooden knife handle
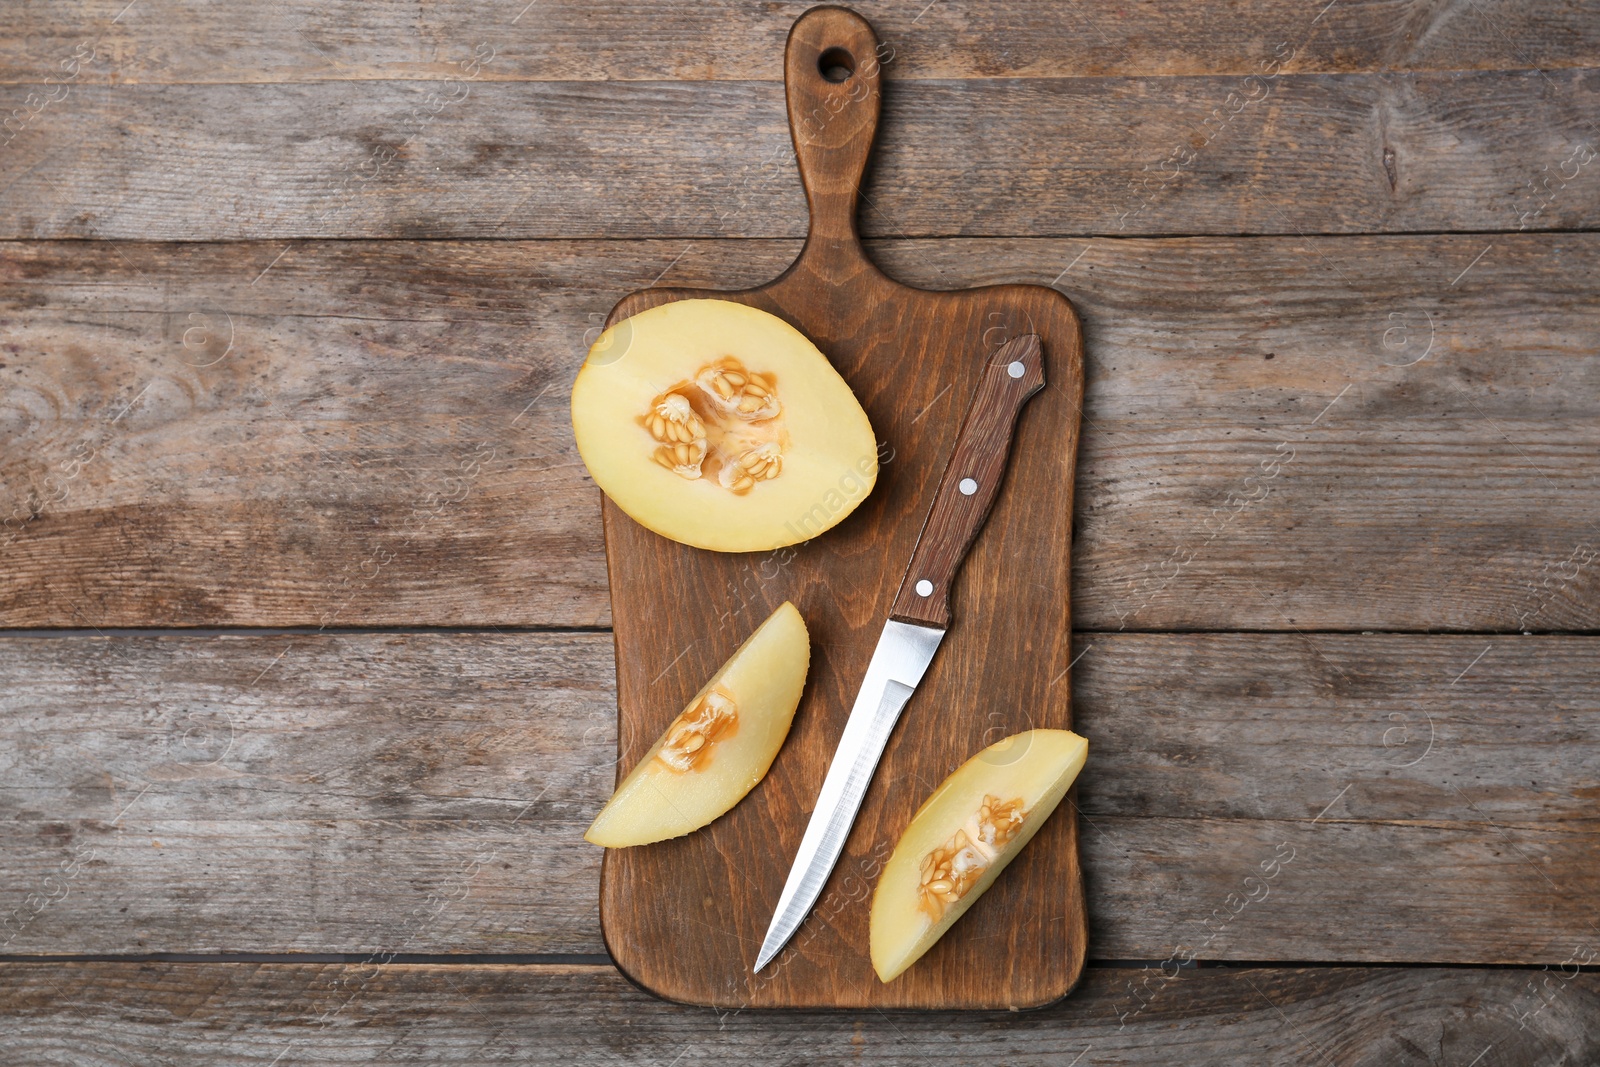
970	483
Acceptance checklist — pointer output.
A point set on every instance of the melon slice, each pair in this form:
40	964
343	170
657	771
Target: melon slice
720	426
963	836
719	746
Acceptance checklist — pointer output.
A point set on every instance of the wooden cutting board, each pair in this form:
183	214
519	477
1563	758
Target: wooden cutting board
684	918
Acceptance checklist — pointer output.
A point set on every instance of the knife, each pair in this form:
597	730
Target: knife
917	622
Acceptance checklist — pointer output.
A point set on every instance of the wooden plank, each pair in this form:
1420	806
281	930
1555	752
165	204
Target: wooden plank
1487	151
337	770
1248	797
176	1014
1364	433
426	437
191	41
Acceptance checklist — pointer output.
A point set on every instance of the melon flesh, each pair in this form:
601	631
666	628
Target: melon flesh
720	426
963	836
719	746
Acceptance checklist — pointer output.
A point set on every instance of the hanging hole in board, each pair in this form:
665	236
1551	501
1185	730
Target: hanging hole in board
836	65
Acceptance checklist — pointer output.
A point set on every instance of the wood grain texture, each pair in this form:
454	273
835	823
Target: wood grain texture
1435	441
339	771
910	356
428	793
621	40
1487	151
90	1014
1285	433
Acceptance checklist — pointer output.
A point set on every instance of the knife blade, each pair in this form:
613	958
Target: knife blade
918	620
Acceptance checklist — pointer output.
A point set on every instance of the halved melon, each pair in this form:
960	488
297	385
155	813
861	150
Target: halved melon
719	746
963	836
721	426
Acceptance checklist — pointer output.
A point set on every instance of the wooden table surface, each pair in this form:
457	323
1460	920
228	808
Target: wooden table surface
307	674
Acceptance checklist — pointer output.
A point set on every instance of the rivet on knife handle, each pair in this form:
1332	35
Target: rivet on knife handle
970	483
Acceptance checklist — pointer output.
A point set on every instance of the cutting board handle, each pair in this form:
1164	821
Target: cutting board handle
832	72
